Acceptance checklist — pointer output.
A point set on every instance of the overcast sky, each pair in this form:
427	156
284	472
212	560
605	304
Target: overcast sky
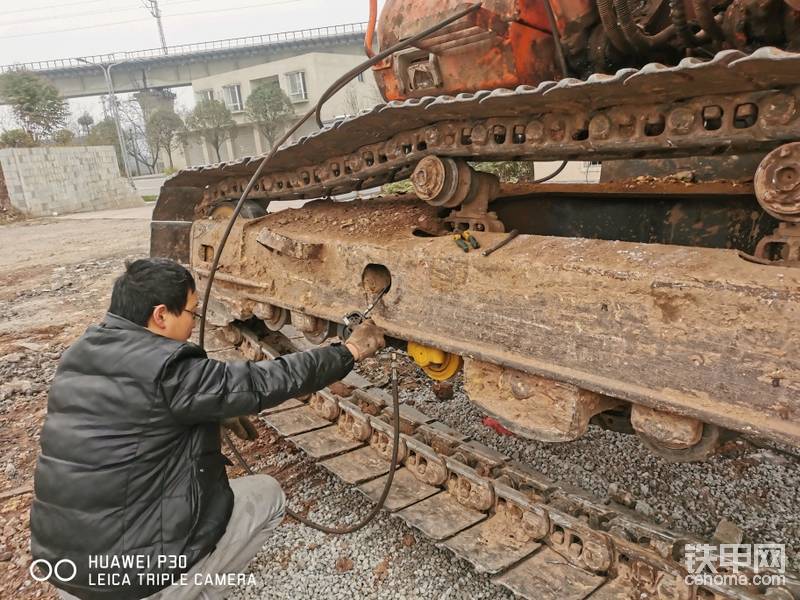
33	30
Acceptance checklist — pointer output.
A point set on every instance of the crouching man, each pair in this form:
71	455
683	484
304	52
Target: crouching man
131	494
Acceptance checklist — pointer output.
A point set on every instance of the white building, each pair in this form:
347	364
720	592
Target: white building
303	78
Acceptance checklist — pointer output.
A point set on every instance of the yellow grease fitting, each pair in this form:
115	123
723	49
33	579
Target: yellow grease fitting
437	364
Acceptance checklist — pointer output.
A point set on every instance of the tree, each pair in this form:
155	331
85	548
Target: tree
36	104
509	171
63	137
16	138
163	130
85	121
213	122
270	109
138	144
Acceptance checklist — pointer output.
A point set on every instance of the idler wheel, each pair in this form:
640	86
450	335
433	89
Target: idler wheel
436	364
777	183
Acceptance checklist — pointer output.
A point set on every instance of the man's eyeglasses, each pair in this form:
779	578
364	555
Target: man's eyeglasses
197	312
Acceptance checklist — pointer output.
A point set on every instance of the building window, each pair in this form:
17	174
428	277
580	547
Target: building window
297	86
202	95
233	97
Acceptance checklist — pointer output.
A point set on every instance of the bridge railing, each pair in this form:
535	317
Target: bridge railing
184	49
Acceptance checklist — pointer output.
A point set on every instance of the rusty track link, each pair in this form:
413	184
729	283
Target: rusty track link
536	538
731	103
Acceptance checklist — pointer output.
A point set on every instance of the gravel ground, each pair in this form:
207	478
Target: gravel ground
386	559
753	487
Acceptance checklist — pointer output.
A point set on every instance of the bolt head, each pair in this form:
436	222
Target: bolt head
600	127
786	178
778	109
680	120
479	134
534	131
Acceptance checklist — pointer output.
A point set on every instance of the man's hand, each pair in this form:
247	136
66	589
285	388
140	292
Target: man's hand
241	427
365	341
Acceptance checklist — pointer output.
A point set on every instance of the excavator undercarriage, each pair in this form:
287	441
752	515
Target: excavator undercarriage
668	302
662	301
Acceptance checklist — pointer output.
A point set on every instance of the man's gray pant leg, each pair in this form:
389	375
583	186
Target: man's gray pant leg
258	508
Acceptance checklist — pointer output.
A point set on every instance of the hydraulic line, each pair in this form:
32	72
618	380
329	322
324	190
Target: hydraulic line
370	33
548	177
335	87
345	79
316	109
551	19
393	463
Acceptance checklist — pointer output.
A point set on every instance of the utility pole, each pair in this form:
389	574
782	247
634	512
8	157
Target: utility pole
112	100
152	7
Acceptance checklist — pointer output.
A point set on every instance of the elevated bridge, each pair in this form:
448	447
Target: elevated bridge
179	65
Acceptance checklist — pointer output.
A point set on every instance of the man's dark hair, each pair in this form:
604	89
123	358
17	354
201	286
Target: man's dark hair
145	284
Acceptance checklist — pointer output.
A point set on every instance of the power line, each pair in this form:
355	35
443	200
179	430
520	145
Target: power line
62	16
99	25
219	10
114	23
59	5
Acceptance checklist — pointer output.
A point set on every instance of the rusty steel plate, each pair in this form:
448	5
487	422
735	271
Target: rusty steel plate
440	516
491	546
296	420
666	84
285	405
322	443
357	466
548	576
769	67
406	490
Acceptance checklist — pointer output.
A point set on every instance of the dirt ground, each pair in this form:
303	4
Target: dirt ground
55	280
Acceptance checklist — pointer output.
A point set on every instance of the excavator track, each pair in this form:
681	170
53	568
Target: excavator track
733	103
539	539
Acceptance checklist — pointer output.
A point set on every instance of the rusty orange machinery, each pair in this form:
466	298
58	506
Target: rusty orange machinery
506	43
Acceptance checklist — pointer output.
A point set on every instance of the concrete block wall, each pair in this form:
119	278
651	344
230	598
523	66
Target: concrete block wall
5	203
47	180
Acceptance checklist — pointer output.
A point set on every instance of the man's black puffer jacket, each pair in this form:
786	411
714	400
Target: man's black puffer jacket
131	461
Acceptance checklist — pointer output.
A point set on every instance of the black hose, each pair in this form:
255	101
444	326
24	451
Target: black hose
335	87
551	18
345	79
389	478
553	174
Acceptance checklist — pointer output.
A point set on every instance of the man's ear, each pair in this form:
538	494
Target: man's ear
158	314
